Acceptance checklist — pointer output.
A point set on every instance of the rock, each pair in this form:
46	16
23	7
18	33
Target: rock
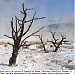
70	67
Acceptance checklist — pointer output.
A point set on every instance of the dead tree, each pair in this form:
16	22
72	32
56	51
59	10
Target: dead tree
56	42
18	32
43	44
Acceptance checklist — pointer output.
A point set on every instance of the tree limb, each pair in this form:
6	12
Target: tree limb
29	25
16	33
35	19
23	43
8	36
19	19
40	37
31	34
10	44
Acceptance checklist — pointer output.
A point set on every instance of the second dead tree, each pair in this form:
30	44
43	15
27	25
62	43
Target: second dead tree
56	42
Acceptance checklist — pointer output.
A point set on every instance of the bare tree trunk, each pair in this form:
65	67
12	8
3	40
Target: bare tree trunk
12	60
56	49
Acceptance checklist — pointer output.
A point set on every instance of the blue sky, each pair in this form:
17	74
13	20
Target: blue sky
49	8
53	10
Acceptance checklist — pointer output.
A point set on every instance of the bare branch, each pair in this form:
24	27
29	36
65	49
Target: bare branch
36	35
23	6
65	41
35	19
20	26
22	12
53	35
41	39
19	29
19	19
10	43
8	36
29	9
16	23
32	34
29	25
54	43
16	33
63	37
23	43
12	27
13	31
